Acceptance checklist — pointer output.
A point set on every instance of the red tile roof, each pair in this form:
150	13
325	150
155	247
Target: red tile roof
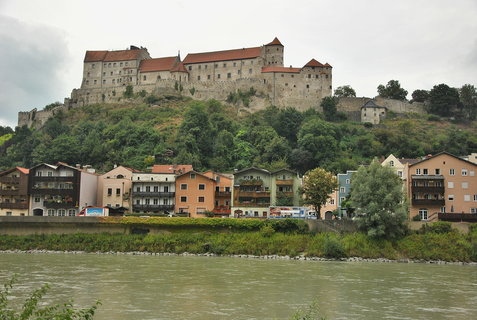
281	69
23	170
179	67
328	65
171	168
158	64
109	56
235	54
275	42
314	63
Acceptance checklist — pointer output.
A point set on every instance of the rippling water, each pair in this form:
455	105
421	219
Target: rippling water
158	287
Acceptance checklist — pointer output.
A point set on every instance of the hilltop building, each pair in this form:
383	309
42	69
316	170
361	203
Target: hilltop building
204	75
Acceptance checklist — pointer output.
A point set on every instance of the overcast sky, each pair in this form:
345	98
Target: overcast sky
368	42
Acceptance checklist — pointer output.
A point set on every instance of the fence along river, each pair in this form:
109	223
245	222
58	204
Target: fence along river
178	287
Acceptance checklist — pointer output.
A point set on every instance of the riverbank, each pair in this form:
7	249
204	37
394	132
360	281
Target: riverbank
243	256
452	246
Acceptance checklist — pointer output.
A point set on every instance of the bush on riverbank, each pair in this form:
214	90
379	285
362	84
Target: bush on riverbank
450	246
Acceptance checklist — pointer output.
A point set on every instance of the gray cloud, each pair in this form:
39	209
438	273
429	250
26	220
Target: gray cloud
32	57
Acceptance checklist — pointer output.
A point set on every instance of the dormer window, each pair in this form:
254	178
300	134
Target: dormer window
391	163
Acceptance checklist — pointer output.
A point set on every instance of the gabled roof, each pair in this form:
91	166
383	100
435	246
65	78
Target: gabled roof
235	54
213	174
251	168
197	173
328	65
109	56
285	169
280	69
371	104
179	67
275	42
158	64
443	153
22	170
314	63
171	168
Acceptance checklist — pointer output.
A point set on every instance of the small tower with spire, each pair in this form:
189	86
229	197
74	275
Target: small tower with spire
273	54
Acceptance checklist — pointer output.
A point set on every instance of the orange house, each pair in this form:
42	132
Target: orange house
223	192
195	194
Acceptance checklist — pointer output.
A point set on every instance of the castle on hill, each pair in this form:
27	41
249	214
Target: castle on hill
205	75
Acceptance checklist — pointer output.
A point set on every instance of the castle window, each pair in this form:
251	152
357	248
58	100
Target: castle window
235	64
326	76
104	73
286	84
251	62
190	68
330	87
229	75
316	76
109	65
95	81
225	65
198	77
92	66
293	76
282	75
205	67
216	65
208	77
120	64
200	66
111	73
144	78
114	80
104	81
309	76
218	76
114	64
87	81
104	65
126	63
308	86
239	71
249	70
158	77
119	71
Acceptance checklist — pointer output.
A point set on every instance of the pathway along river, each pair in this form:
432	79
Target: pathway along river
177	287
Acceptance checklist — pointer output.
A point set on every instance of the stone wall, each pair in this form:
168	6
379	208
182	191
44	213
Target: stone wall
36	119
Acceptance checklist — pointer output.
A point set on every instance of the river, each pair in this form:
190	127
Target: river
176	287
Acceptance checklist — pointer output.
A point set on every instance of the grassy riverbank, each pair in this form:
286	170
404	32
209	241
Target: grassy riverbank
431	244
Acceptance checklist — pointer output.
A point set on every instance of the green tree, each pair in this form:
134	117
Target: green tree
420	95
377	196
34	309
443	100
128	93
344	92
328	104
392	90
468	98
317	186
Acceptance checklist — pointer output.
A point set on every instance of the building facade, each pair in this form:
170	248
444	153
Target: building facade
153	193
195	194
60	190
443	184
344	188
114	188
372	113
14	192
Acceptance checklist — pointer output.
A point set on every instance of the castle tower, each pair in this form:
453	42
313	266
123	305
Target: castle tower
273	54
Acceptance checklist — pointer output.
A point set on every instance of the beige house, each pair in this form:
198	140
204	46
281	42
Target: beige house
372	113
114	188
442	187
400	166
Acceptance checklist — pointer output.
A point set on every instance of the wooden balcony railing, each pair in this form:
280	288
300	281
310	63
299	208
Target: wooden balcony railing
14	205
428	202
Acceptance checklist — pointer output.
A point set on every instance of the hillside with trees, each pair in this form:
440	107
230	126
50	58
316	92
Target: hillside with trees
212	135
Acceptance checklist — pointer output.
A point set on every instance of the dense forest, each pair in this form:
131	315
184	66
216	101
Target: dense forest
212	135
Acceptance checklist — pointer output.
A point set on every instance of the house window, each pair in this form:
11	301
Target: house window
37	199
201	199
192	175
148	201
198	77
391	163
342	189
464	172
218	76
155	201
61	212
443	209
471	173
425	171
423	214
183	186
110	191
71	212
400	174
227	189
9	213
465	185
347	181
51	212
190	68
438	171
475	197
452	172
208	77
148	188
473	210
450	184
144	78
418	171
201	186
466	197
229	75
118	191
249	71
332	201
183	199
451	197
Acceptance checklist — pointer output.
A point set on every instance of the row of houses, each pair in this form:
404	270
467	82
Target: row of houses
443	186
64	190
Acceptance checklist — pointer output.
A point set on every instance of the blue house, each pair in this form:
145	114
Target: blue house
344	187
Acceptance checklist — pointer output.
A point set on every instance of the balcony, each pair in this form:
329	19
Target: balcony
223	194
253	194
10	192
61	192
154	194
14	205
222	210
428	202
58	205
428	189
54	179
10	180
252	182
152	207
252	205
288	182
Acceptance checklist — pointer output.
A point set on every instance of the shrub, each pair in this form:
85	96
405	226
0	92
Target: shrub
417	217
333	248
267	231
437	227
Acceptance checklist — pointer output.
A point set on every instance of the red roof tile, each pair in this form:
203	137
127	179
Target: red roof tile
92	56
314	63
108	56
281	69
328	65
23	170
171	168
159	64
179	67
235	54
275	42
